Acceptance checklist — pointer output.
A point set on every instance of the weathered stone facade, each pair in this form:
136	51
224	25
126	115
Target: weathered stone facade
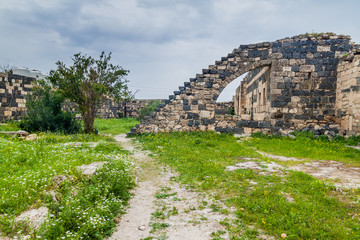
14	90
347	106
294	82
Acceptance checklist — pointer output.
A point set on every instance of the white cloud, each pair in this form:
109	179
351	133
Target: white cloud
162	42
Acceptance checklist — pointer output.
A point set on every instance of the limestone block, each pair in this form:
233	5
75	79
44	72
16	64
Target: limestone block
286	69
247	130
323	48
205	114
307	68
2	90
7	113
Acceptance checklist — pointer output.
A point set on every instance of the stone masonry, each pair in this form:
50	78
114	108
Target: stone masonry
309	80
14	90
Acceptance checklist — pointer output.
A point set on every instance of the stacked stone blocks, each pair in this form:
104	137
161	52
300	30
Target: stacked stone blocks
303	83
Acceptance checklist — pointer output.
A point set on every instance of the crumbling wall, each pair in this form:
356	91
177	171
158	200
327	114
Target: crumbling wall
14	89
348	93
302	87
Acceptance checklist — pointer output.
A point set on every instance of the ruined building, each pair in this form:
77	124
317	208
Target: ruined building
292	82
17	85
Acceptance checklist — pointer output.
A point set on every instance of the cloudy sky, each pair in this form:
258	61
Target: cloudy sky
162	42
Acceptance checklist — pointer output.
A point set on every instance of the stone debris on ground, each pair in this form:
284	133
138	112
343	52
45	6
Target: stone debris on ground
79	144
264	168
91	168
34	217
338	173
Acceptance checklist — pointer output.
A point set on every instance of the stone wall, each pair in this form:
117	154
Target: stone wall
14	90
348	93
302	87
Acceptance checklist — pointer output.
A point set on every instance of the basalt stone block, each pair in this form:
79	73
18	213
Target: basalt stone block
288	116
187	84
185	102
202	107
207	121
355	88
279	104
243	123
279	123
181	88
264	125
221	111
295	68
167	101
190	123
171	97
194	116
215	96
208	85
281	85
283	98
254	124
254	53
194	102
277	44
192	79
186	107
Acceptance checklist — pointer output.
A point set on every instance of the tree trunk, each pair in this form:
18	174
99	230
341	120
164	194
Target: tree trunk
89	118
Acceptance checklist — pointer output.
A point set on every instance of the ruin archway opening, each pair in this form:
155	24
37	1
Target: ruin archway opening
247	95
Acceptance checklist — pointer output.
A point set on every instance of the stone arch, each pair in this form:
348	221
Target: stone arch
292	61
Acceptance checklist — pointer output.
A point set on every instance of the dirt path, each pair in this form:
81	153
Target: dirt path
161	208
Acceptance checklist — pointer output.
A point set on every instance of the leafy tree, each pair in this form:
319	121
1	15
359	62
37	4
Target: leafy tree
44	112
88	82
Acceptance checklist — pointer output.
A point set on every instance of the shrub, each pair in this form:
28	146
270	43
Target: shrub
148	108
44	112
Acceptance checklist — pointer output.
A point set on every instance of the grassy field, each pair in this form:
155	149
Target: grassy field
86	205
305	146
115	126
317	209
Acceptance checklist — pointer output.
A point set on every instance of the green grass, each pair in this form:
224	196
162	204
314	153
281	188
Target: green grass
10	126
115	126
305	146
319	211
86	206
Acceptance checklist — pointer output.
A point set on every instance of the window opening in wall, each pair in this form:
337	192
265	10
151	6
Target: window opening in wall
259	100
264	98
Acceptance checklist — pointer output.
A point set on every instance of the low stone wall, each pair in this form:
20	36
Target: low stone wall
111	109
14	89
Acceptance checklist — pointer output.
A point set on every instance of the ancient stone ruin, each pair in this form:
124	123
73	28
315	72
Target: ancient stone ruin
291	83
15	87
